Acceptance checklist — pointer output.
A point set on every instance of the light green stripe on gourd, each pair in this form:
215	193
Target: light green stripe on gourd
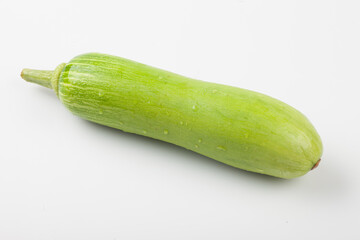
235	126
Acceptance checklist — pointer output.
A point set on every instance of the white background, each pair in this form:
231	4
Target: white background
64	178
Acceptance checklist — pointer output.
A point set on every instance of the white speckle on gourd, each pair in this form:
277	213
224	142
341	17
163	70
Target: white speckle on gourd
194	108
166	132
181	123
200	140
196	146
144	132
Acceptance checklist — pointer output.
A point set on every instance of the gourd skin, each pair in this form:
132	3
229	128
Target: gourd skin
238	127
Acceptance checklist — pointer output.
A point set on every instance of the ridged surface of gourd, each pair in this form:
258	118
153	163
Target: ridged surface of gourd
235	126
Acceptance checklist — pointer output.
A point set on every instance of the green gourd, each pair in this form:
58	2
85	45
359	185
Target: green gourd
238	127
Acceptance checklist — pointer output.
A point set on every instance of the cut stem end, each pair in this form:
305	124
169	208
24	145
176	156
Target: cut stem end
49	79
41	77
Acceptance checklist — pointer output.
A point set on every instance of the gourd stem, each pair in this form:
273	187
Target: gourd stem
49	79
41	77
